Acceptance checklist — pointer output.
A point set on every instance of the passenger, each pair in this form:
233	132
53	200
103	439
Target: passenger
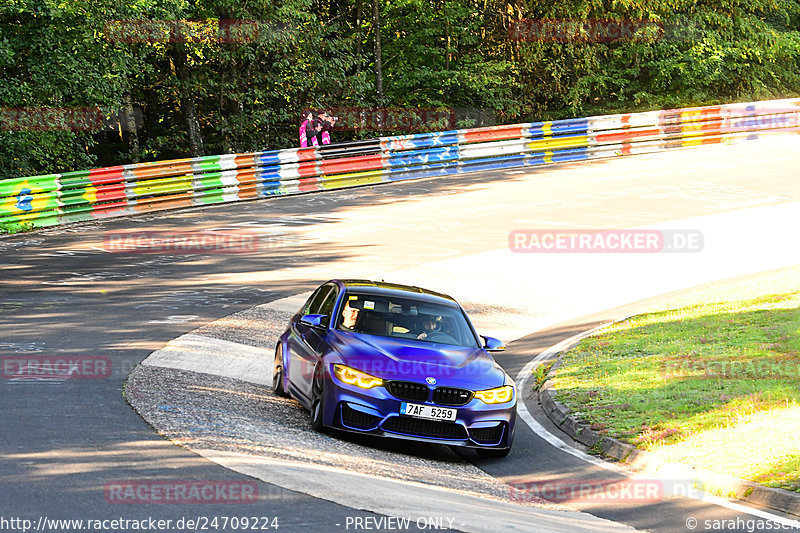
349	317
429	326
308	118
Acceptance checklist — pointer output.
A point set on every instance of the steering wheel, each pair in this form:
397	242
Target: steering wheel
438	336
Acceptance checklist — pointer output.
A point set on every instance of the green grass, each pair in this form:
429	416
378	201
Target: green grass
540	374
710	384
11	229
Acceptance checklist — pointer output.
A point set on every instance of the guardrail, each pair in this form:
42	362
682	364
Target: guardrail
52	199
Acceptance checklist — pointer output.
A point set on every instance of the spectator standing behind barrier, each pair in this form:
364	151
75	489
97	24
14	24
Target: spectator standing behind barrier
310	135
308	117
327	124
314	133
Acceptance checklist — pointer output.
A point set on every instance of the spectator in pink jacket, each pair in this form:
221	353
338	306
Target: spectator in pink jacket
308	118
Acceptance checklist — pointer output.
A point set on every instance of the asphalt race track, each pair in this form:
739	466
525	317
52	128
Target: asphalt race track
64	293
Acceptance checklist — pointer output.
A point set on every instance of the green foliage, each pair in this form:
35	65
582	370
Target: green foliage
245	91
540	374
11	229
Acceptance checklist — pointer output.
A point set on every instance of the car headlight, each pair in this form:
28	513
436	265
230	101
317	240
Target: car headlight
351	376
498	395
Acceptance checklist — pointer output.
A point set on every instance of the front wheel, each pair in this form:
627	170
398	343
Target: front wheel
318	401
277	373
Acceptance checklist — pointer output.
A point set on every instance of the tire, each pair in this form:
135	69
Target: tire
318	401
493	453
277	373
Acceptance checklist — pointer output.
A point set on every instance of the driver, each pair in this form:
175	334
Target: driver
429	326
349	317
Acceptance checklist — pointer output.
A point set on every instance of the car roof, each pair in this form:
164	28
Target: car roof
396	289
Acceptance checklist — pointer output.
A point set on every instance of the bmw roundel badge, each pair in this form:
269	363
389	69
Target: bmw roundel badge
431	381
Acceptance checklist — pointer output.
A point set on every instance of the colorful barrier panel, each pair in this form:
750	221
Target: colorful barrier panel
52	199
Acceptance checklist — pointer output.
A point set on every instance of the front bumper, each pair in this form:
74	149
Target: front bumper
377	412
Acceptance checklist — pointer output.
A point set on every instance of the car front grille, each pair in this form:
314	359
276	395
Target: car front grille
451	396
358	420
491	435
425	428
408	390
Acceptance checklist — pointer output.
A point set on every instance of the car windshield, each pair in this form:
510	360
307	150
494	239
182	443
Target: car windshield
405	318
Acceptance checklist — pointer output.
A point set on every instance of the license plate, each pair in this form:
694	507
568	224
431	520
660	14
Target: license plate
428	411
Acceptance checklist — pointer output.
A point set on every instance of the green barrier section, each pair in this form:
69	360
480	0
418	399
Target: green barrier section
29	202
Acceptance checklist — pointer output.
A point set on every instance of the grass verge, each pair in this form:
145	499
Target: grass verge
11	229
710	384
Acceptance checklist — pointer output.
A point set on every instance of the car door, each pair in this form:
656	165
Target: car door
305	341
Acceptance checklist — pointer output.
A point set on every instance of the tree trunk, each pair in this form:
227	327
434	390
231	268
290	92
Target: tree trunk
227	116
359	36
187	105
376	28
447	42
130	126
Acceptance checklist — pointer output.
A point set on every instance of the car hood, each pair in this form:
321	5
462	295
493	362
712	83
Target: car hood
390	358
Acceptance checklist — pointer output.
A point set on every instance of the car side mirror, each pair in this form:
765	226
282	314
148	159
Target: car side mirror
492	344
314	321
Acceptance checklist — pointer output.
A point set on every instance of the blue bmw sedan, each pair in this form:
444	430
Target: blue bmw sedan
396	361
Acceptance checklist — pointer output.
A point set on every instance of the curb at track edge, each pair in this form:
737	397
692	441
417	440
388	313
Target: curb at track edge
739	489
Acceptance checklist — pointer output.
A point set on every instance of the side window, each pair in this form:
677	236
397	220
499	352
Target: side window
307	305
327	306
315	302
